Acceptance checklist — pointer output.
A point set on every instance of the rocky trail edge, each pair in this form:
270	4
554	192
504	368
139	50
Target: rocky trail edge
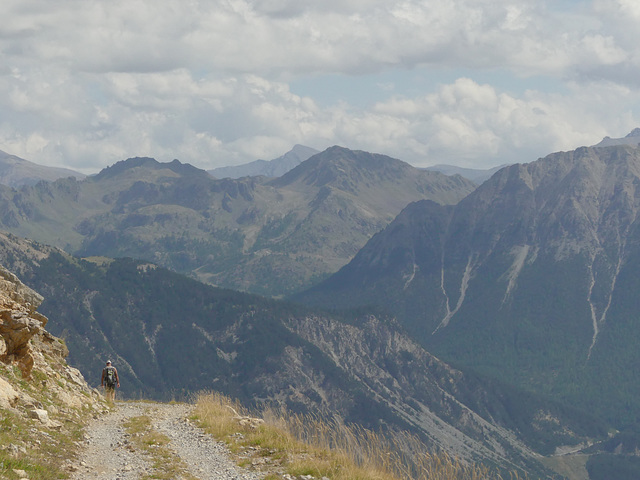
111	454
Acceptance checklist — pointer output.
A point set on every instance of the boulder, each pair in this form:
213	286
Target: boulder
8	396
39	414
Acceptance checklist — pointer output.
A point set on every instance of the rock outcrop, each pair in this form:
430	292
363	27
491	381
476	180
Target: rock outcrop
44	403
19	321
25	344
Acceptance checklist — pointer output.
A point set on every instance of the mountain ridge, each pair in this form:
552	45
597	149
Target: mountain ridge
133	163
632	138
268	168
548	246
474	174
16	172
255	234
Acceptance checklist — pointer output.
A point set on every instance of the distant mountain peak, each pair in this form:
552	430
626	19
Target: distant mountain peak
17	172
342	165
135	162
535	270
477	176
268	168
632	138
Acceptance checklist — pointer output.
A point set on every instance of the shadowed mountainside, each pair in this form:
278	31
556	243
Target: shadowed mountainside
172	336
530	279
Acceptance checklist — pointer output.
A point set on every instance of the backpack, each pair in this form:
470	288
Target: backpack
110	377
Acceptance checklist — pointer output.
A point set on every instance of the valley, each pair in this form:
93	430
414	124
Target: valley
171	336
492	321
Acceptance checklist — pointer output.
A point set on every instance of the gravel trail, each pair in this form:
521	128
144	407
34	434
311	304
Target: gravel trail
110	456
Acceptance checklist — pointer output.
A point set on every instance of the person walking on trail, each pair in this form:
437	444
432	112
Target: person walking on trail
110	381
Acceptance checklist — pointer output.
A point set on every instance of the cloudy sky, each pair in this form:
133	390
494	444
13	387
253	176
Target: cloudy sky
475	83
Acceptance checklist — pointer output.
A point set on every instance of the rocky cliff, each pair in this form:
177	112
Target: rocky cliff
43	401
532	278
20	322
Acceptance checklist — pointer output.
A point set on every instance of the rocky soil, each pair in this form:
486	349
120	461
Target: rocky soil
111	455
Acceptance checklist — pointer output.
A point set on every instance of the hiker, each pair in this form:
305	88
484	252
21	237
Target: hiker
110	381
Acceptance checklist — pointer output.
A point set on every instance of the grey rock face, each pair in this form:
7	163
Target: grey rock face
534	271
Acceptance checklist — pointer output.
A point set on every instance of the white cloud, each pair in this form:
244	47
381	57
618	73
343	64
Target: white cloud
212	122
469	124
268	36
86	83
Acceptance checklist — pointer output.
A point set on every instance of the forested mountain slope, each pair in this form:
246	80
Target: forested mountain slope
532	278
171	336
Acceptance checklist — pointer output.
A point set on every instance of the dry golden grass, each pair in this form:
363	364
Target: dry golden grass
309	445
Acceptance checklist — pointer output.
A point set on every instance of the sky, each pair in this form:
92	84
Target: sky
473	83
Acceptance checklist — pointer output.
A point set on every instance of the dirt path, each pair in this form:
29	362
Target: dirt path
110	455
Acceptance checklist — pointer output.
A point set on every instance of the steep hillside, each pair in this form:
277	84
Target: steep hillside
44	402
52	425
171	336
531	278
268	237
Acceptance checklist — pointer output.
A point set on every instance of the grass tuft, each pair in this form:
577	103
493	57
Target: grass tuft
43	452
309	445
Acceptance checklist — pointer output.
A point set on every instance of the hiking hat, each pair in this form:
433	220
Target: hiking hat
108	362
